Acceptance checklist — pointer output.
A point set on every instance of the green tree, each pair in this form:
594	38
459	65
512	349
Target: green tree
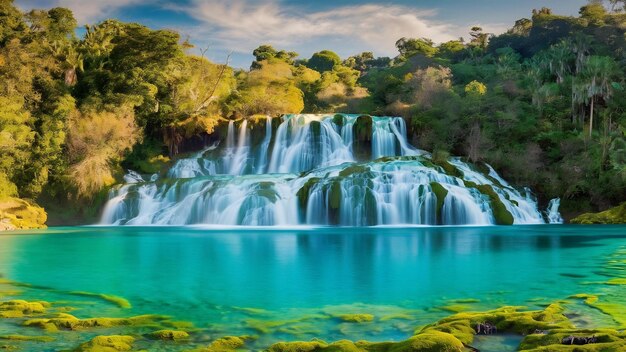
597	81
408	47
323	61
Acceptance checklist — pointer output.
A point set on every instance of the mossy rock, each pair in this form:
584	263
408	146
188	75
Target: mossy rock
430	341
111	343
440	193
297	346
334	198
169	335
117	300
338	119
606	340
500	212
362	137
356	318
448	168
505	319
616	311
21	308
27	338
616	215
18	214
69	322
304	191
227	344
354	169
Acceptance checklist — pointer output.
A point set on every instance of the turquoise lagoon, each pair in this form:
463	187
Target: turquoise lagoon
293	284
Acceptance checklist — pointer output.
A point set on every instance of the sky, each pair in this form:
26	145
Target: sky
347	27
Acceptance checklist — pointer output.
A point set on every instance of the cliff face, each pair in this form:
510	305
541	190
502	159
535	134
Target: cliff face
18	214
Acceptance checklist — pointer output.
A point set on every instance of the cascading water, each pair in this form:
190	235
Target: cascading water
552	213
346	170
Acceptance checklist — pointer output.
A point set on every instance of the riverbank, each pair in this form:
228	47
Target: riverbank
19	214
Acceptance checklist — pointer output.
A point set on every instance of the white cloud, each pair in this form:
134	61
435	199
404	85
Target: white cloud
242	25
85	11
89	11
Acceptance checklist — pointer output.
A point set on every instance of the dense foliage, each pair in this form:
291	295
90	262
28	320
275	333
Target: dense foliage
544	103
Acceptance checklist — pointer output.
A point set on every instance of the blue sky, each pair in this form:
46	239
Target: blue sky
345	26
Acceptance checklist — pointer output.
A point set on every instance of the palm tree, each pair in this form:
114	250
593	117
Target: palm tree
596	82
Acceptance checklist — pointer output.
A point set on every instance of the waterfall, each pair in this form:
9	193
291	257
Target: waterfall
264	149
308	172
552	213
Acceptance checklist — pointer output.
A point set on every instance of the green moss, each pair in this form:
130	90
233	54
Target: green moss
456	308
168	335
316	129
430	341
606	340
267	326
354	169
506	319
440	193
118	301
298	346
616	311
303	193
227	343
266	190
617	281
448	168
27	338
335	195
21	308
362	137
500	213
68	322
18	214
107	344
398	316
616	215
356	318
338	120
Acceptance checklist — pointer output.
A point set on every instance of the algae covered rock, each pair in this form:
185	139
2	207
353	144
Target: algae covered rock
616	215
18	214
297	346
111	343
227	343
21	308
431	341
356	318
69	322
557	340
169	335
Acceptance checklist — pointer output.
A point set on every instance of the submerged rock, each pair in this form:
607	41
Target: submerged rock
111	343
21	308
356	318
169	335
69	322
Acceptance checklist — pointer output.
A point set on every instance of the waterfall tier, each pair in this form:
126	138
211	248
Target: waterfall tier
346	170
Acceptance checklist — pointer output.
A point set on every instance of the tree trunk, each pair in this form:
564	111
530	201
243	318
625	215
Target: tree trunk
70	77
591	118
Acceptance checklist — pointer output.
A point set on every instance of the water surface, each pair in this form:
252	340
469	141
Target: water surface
230	281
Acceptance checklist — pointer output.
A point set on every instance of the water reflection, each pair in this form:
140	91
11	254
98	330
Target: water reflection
179	268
